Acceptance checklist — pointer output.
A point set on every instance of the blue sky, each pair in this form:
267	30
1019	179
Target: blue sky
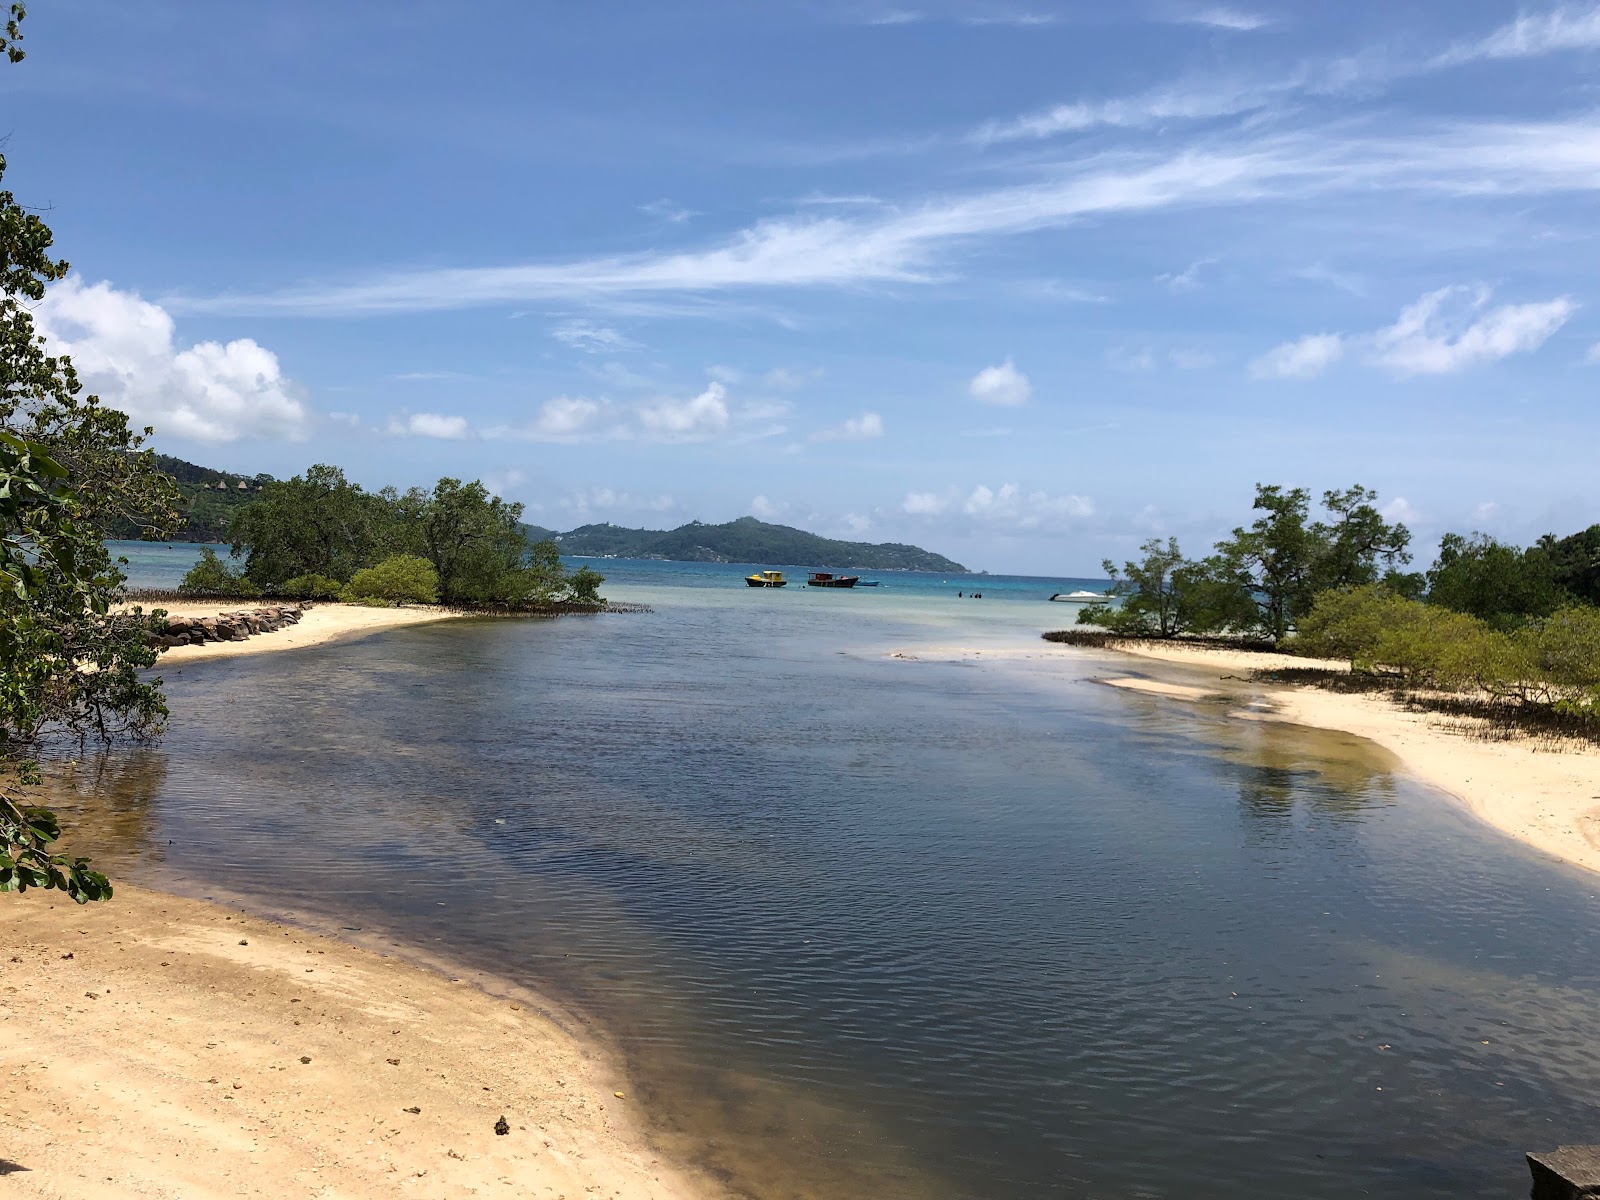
1023	283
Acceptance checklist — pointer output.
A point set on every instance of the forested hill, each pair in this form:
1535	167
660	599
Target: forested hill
210	498
748	540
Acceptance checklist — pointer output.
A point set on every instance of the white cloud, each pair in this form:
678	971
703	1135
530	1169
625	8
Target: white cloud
1127	358
563	419
666	210
1594	354
856	523
1445	331
1003	385
125	351
909	245
1530	35
587	501
1006	506
590	337
1400	509
431	425
1301	359
765	510
924	504
1437	335
856	429
694	420
1227	18
1188	279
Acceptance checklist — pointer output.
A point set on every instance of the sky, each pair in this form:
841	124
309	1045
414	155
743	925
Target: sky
1023	283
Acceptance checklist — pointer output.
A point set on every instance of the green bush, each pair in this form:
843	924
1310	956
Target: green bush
212	577
311	587
403	579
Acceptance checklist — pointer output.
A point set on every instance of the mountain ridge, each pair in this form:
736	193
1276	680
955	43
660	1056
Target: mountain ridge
746	540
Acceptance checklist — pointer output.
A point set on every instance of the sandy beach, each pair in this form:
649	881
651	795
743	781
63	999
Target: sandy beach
1546	797
324	622
164	1047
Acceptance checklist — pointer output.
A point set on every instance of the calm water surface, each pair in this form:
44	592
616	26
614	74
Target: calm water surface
930	926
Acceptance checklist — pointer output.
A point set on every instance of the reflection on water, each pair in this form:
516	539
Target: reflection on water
868	927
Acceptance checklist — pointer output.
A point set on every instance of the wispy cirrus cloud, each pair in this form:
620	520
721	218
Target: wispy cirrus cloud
1221	17
1443	332
915	245
1571	27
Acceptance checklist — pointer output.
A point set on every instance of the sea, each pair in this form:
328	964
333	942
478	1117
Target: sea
877	894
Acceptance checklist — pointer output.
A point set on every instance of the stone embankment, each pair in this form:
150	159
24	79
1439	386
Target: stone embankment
228	626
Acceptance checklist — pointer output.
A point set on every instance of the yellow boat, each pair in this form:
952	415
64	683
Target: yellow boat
766	579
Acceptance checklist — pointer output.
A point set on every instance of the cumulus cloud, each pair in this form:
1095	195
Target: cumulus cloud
1300	359
588	501
765	510
856	429
693	420
1003	385
431	425
126	351
1006	506
708	416
1445	331
1451	329
1402	510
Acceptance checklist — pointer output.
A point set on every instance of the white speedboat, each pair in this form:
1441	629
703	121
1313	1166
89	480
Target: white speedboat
1080	597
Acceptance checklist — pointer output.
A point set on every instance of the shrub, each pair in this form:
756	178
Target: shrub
311	587
212	577
403	579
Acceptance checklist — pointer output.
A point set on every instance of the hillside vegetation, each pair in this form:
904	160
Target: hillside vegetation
748	540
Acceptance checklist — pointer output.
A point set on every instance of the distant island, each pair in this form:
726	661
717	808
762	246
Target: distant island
212	497
746	540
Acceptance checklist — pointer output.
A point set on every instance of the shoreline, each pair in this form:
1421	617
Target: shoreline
326	621
1545	798
162	1043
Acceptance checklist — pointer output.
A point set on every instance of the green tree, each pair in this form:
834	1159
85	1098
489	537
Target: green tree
1575	561
1503	585
401	579
318	523
1150	593
1283	559
69	467
213	577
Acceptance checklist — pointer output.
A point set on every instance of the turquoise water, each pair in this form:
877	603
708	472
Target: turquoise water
957	923
163	564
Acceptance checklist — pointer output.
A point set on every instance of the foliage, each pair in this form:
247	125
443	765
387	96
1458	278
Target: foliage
1284	559
1164	595
1503	585
68	467
310	587
1552	662
205	510
322	526
318	523
400	579
213	577
1575	563
748	540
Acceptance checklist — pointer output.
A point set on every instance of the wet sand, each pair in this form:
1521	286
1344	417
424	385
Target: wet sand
159	1046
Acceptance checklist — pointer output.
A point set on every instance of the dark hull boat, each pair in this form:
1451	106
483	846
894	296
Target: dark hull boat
824	579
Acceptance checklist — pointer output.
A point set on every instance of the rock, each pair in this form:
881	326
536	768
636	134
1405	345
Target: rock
502	1127
1566	1173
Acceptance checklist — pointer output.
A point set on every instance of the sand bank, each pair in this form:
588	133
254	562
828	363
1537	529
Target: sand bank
165	1047
324	622
1541	795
